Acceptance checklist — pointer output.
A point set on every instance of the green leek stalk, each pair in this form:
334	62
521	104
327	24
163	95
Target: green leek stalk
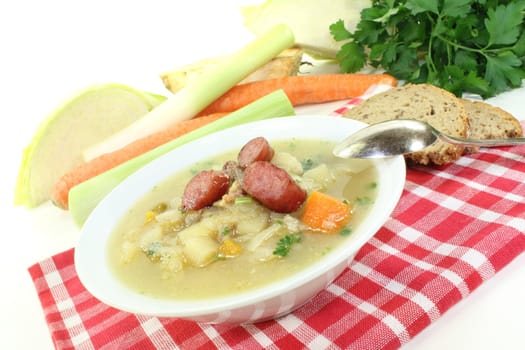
202	91
84	197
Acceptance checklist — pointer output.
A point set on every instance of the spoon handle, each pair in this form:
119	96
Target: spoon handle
483	143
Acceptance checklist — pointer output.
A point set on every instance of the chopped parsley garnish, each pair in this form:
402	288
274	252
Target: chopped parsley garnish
363	200
346	231
285	244
226	231
152	251
307	164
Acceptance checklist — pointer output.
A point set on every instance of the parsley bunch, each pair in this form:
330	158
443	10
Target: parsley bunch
475	46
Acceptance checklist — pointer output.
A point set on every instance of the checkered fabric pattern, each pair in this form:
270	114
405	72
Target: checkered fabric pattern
455	227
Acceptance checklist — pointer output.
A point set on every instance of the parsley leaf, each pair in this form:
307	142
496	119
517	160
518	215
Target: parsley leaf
352	57
475	46
501	70
363	200
285	244
307	164
418	6
456	8
339	32
519	47
503	23
346	231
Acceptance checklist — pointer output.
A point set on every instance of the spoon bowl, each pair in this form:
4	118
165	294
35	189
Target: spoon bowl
402	136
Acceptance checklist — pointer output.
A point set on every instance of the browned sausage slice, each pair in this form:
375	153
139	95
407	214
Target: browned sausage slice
204	189
273	187
254	150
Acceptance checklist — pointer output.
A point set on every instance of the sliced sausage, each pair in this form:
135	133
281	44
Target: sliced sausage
273	187
204	189
256	149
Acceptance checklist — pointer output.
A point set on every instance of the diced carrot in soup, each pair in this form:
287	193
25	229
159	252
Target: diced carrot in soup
325	213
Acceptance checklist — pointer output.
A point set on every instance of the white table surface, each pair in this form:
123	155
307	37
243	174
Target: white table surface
55	47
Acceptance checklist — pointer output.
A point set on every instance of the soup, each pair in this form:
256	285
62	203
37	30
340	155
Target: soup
239	241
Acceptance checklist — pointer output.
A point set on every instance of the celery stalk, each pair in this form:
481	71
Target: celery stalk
84	197
201	91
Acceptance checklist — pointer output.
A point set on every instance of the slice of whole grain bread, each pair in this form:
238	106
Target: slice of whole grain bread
425	102
490	122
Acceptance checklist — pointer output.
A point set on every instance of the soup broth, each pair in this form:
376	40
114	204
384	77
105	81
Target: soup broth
142	248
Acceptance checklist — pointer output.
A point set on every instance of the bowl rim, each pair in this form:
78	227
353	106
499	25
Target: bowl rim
97	278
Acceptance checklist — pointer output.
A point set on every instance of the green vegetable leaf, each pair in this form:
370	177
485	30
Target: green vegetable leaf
377	13
503	70
519	47
368	31
352	57
466	60
285	244
387	15
456	8
339	32
405	63
476	84
418	6
505	23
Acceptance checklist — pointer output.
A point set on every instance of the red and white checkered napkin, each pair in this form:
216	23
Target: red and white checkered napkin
454	228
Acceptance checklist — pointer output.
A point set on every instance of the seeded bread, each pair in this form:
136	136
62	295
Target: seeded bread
426	102
490	122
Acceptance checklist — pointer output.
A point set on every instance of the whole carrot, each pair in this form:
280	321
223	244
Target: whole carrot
96	166
301	89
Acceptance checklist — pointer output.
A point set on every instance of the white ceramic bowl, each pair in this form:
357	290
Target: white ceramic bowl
267	302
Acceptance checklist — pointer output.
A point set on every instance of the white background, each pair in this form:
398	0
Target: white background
50	49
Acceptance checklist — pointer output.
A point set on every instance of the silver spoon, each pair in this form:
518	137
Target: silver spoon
402	136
